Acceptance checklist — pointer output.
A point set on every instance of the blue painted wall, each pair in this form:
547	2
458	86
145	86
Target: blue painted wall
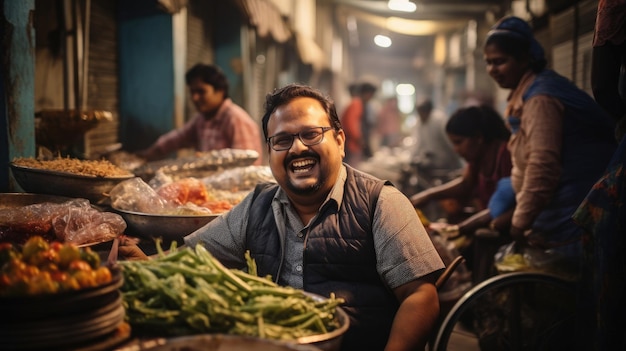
227	38
146	76
17	86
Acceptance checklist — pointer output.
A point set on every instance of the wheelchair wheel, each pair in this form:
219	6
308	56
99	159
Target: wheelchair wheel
516	311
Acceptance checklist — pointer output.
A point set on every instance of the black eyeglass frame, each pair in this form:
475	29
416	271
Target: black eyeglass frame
299	135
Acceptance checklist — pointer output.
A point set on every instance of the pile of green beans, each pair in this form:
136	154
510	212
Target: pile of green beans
187	291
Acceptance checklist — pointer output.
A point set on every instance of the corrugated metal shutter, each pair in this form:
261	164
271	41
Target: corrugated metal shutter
102	81
199	41
572	32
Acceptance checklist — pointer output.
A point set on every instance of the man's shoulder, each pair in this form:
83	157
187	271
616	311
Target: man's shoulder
235	114
232	108
365	180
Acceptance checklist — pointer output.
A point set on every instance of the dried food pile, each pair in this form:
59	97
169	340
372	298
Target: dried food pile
95	168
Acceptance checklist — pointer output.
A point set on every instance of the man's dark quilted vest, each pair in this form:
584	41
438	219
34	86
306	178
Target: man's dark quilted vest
339	257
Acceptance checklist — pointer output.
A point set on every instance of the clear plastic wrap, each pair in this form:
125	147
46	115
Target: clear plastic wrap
74	221
183	197
239	178
184	191
82	224
510	258
136	195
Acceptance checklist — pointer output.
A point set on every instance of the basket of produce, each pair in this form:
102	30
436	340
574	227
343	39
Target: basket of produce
189	292
75	178
58	295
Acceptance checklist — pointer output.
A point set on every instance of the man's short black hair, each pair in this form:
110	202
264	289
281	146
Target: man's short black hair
284	95
209	74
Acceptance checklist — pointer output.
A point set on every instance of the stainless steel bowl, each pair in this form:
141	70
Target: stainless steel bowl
330	341
221	342
166	227
41	181
224	342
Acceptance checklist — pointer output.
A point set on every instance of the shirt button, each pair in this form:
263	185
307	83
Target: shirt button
300	235
299	268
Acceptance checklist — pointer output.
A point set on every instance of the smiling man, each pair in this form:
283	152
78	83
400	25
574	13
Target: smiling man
328	228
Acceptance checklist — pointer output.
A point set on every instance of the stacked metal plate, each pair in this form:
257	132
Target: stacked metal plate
68	320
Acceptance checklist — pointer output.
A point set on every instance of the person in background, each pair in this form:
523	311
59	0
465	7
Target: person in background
219	123
602	214
479	135
561	140
608	65
561	143
368	120
351	122
326	227
389	123
433	152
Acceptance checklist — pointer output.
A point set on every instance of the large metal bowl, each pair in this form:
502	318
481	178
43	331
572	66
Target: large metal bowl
330	341
41	181
222	342
166	227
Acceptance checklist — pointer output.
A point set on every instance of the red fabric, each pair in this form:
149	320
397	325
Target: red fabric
351	123
610	19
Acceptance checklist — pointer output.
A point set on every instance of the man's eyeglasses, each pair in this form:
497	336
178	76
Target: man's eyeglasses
308	137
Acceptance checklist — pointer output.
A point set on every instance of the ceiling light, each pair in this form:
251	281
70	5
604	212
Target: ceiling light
382	40
405	89
401	5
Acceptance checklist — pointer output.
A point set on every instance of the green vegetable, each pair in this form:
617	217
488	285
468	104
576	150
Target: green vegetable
187	291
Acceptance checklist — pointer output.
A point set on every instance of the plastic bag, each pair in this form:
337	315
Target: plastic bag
17	224
183	191
82	224
509	258
239	178
74	221
137	196
183	197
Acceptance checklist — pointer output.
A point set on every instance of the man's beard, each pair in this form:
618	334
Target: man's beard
309	190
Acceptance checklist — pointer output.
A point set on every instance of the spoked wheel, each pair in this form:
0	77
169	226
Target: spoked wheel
516	311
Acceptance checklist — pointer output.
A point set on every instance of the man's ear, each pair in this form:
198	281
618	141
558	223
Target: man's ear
340	137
